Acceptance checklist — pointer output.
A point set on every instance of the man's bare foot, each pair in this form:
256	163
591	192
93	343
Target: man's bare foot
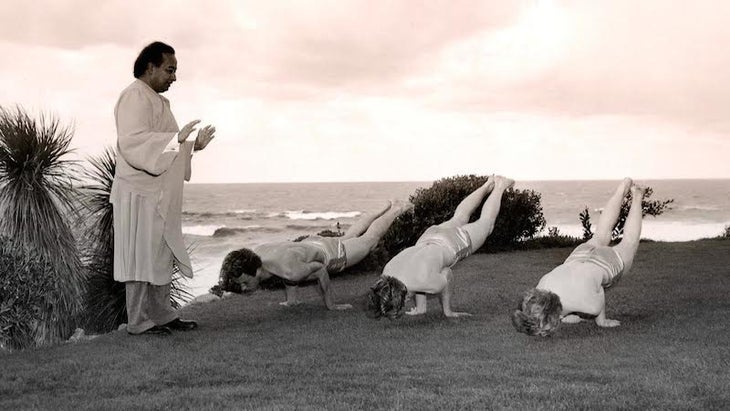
607	323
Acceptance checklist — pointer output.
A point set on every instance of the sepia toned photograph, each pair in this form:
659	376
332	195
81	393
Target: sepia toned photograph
364	205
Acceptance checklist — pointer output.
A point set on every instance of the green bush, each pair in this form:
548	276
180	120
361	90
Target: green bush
27	293
520	217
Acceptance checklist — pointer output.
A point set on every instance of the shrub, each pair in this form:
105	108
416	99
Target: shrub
27	293
648	207
520	217
105	299
37	198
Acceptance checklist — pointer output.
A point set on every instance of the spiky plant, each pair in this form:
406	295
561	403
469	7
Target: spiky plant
105	303
105	298
37	198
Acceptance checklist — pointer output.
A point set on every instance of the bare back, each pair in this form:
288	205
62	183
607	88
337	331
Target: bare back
288	260
577	284
420	268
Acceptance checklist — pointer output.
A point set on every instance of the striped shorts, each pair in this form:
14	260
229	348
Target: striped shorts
603	256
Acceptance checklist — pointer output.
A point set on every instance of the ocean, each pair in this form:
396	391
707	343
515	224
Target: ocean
218	218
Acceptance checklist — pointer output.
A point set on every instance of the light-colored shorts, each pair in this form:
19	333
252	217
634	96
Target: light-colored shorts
603	256
333	249
455	239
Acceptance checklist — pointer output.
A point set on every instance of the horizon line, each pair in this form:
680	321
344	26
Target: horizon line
432	181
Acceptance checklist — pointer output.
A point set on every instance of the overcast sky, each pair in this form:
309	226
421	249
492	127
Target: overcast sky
383	90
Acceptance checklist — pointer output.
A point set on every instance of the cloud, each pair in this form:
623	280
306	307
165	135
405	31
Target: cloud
645	59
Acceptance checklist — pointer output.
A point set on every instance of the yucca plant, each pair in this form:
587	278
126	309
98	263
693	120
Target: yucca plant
37	198
105	298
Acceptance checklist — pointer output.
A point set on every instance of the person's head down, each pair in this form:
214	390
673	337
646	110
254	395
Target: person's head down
238	270
387	298
537	313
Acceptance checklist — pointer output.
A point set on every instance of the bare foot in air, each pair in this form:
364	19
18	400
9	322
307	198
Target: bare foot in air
501	181
638	191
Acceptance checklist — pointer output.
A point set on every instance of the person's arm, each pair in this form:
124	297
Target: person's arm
141	147
446	296
421	305
326	289
600	310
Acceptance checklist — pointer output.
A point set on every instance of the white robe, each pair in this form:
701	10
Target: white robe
147	189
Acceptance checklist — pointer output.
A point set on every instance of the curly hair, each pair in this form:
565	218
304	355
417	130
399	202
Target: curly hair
538	313
386	298
236	263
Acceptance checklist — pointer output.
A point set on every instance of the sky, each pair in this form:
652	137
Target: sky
382	90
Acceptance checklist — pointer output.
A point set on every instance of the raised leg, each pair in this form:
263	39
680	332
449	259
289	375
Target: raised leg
470	203
610	213
365	221
358	248
626	249
479	230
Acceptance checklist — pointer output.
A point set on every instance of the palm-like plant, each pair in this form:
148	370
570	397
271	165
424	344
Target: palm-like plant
37	198
105	298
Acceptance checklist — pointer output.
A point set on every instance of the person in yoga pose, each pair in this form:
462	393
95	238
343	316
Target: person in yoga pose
425	268
312	258
575	289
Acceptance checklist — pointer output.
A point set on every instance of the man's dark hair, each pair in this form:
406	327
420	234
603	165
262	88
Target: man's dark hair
153	53
387	298
236	263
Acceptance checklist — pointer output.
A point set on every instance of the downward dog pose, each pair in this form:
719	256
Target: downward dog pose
314	257
577	286
425	268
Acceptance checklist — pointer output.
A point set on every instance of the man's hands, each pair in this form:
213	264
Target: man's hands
205	134
184	132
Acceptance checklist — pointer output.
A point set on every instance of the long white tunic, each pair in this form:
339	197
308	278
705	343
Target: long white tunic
147	189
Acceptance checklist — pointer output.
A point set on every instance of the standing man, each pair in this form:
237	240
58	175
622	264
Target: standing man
153	159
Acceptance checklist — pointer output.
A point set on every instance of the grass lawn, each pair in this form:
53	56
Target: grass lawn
672	350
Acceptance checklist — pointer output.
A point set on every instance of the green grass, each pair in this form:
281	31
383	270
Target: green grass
671	351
